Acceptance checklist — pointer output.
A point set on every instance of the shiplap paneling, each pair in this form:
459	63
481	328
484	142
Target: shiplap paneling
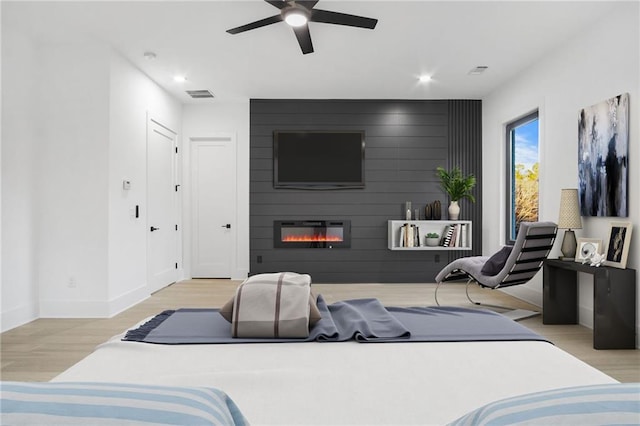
465	151
405	142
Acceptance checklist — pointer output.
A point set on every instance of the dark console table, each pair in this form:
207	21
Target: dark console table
614	301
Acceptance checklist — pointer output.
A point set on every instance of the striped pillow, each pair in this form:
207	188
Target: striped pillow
608	404
114	404
272	306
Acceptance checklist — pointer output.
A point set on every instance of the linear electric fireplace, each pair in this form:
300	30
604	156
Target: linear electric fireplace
312	234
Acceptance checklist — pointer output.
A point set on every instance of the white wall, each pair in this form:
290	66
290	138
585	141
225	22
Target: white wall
76	117
19	287
598	64
133	97
208	120
72	160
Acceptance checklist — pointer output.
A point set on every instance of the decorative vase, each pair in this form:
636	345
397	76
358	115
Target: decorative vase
454	210
436	210
427	212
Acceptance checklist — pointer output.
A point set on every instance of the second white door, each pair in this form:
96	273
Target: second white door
213	186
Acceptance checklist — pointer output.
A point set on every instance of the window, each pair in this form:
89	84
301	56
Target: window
522	173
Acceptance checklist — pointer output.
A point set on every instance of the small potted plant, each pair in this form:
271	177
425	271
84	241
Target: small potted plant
457	186
433	239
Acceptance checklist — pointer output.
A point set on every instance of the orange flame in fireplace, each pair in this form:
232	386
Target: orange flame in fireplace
310	238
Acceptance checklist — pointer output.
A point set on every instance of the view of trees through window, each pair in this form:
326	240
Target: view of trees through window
523	169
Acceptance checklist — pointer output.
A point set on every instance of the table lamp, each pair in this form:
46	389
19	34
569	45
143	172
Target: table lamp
569	219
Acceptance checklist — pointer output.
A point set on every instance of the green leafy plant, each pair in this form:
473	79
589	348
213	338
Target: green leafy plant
433	235
456	184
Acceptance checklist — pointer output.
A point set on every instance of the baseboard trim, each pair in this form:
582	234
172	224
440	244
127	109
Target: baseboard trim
92	308
585	314
18	316
585	317
127	300
525	294
240	274
74	309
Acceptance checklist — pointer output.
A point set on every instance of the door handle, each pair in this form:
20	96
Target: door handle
228	226
153	228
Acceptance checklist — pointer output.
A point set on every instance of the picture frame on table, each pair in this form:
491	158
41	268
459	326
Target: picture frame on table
587	247
617	244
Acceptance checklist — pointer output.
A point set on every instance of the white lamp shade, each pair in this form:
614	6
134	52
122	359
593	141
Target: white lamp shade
569	210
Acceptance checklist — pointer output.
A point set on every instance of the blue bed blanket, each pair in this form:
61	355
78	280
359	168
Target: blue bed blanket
362	320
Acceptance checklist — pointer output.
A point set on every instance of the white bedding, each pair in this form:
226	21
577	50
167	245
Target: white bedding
345	383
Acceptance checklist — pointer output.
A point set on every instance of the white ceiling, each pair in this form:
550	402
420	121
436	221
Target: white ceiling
443	38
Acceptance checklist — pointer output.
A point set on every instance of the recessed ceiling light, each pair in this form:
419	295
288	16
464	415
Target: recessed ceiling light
179	78
424	78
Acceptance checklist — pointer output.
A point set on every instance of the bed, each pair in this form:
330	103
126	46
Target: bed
347	382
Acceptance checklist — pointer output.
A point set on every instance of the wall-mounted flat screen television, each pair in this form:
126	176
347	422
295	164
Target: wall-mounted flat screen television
318	159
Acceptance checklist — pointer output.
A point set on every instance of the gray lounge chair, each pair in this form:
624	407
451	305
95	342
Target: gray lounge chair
532	246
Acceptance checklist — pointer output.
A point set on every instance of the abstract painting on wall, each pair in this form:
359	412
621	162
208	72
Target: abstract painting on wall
603	154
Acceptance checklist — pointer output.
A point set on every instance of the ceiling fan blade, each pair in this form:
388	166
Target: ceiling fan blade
257	24
338	18
277	3
304	38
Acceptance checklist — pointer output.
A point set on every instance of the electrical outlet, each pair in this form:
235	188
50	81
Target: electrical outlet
72	282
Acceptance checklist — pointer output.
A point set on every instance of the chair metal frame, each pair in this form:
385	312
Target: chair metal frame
507	280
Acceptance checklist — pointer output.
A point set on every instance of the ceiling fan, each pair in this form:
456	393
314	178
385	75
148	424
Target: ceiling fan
298	13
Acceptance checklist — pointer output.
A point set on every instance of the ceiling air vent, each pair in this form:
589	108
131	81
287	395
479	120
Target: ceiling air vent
478	70
199	94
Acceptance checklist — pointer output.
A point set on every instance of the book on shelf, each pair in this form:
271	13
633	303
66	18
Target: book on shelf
409	236
463	240
455	235
446	236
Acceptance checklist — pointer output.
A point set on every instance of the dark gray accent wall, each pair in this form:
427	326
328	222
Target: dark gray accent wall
405	142
465	151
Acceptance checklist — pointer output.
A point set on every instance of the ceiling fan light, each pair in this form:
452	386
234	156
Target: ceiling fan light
296	19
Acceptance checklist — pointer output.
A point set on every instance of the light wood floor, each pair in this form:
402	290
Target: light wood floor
42	349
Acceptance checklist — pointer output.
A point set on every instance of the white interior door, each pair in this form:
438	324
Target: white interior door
162	254
213	185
